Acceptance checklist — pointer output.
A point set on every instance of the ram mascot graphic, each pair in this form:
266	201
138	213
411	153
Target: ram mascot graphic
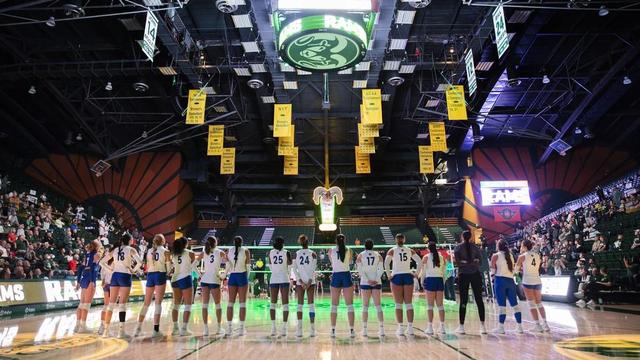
321	51
327	199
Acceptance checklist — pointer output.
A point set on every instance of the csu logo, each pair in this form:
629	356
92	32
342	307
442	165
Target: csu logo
507	213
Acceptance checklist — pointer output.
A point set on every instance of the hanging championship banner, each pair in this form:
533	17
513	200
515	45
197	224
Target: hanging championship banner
500	27
291	163
196	107
472	82
372	104
363	162
215	142
368	130
228	161
425	155
456	106
286	144
281	120
438	136
367	144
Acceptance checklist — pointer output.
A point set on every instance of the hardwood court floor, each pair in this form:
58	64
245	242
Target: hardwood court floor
50	336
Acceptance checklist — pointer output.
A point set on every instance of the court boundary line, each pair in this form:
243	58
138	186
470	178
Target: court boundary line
448	345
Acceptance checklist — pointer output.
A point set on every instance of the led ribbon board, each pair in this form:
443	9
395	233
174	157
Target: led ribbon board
505	193
324	42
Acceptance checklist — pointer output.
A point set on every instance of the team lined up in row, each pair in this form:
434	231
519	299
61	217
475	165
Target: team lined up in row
118	265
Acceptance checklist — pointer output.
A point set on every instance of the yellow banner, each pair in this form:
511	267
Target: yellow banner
228	161
291	163
367	144
215	142
425	154
196	107
367	149
286	144
368	130
281	120
438	136
363	162
372	106
455	103
177	234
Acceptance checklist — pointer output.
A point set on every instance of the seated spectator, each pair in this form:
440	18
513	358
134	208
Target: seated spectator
599	245
559	266
636	239
617	245
633	266
601	282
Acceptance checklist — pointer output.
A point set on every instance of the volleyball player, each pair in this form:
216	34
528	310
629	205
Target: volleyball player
158	260
182	261
87	277
503	267
433	267
125	262
279	261
304	268
105	275
370	267
340	258
530	262
401	277
210	282
467	258
238	258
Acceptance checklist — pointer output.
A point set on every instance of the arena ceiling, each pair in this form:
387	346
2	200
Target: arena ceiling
95	92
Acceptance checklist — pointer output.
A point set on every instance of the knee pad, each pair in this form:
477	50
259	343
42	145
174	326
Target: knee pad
157	310
437	307
516	309
378	308
408	306
122	307
350	308
502	310
218	306
272	306
334	309
285	307
539	306
532	305
243	305
312	308
108	308
299	307
430	306
187	307
175	307
398	306
365	307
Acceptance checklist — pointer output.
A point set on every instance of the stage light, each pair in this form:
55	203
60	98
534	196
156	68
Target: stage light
290	197
32	90
545	79
359	84
364	196
268	100
242	71
51	21
391	65
577	131
290	85
258	68
398	44
405	17
626	80
250	46
79	137
242	21
407	69
144	134
603	11
108	87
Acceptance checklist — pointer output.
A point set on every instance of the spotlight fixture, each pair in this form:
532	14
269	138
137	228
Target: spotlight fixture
419	4
626	80
32	90
255	83
108	87
79	137
144	134
509	130
395	80
603	11
226	6
51	21
577	131
290	197
364	196
452	49
140	86
545	79
73	9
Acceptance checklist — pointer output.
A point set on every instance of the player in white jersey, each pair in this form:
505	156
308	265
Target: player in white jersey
341	282
238	260
304	269
182	263
432	269
530	262
125	262
105	276
370	266
158	260
279	262
401	278
212	257
503	267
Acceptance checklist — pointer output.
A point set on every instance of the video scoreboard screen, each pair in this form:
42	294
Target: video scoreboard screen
505	193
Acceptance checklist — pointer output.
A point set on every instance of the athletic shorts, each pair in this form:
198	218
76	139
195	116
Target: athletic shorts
156	278
402	279
341	279
299	283
533	287
182	284
370	287
238	279
209	285
120	279
85	280
279	286
433	284
105	288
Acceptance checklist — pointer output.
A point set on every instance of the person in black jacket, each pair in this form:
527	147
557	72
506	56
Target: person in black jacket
467	258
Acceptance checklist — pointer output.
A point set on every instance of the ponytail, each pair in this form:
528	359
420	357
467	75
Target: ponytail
466	238
502	246
435	256
342	249
237	243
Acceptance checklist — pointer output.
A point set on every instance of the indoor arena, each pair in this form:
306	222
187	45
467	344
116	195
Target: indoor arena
335	179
